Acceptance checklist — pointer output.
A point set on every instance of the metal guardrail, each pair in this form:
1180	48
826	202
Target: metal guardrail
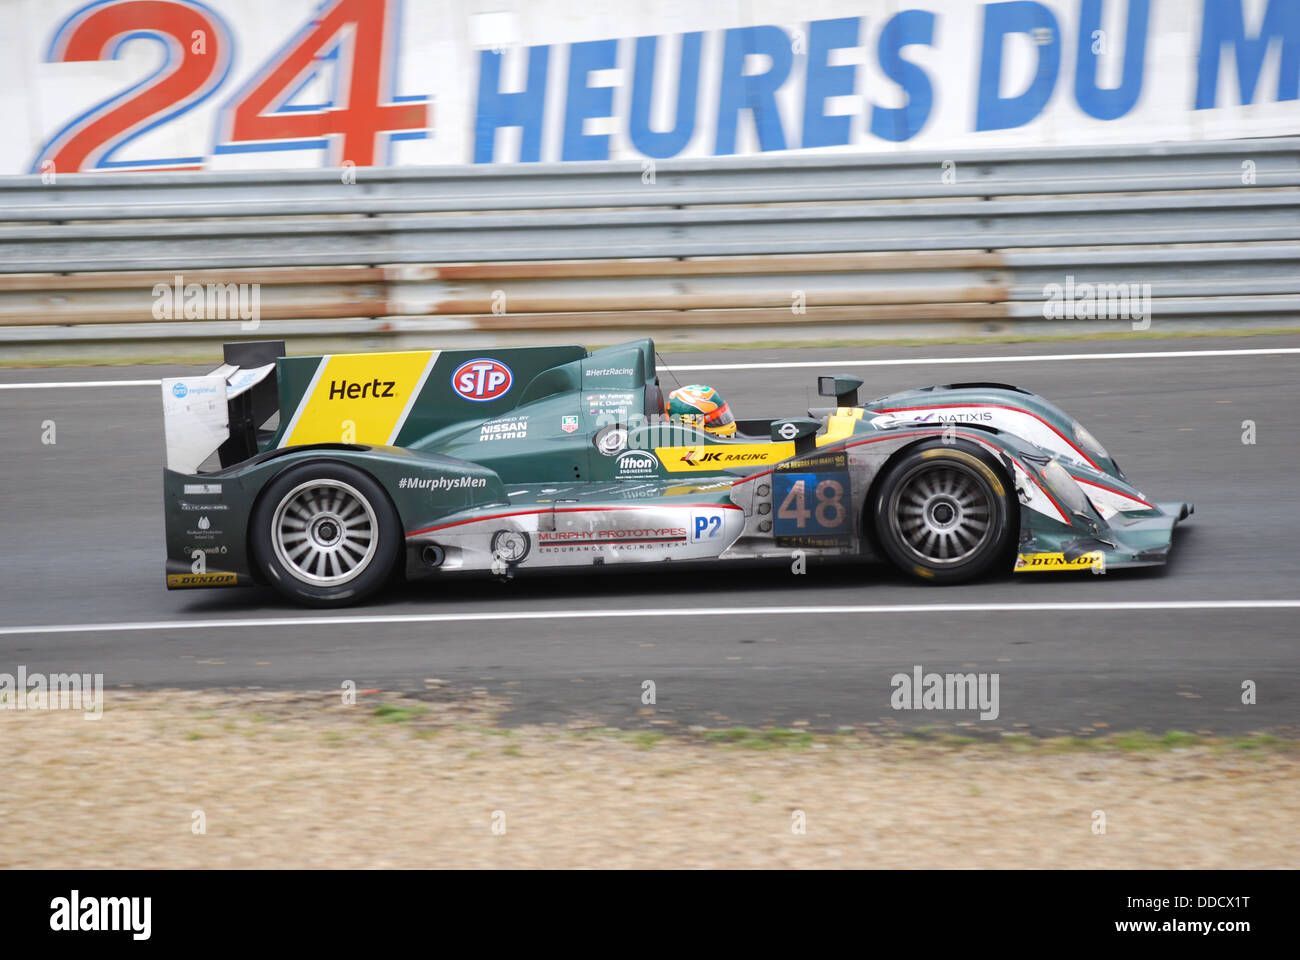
710	182
1000	224
975	236
492	296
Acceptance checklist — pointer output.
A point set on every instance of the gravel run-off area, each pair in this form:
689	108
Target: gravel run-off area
259	779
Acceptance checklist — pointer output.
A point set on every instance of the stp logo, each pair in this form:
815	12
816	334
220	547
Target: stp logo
482	380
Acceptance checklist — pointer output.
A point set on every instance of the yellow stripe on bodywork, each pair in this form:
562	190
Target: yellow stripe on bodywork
360	398
837	428
730	456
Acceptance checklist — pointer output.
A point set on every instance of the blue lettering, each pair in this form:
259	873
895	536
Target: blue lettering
672	142
584	101
497	109
1093	100
903	123
995	112
825	81
753	92
1223	23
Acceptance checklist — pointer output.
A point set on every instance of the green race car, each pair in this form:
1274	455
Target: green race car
329	476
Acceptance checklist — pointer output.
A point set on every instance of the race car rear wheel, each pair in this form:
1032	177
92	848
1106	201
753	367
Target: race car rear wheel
942	513
325	534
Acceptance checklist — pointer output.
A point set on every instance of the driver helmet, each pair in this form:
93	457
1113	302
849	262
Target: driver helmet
702	407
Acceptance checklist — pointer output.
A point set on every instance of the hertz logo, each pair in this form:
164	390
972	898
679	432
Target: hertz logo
375	391
352	390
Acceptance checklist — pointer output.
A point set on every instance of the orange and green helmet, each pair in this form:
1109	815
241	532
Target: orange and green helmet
703	407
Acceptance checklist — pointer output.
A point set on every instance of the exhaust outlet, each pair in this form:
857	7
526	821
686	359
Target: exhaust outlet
433	555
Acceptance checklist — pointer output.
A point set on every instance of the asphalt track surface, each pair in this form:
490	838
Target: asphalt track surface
81	542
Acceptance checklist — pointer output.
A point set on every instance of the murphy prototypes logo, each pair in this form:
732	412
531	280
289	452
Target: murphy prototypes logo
482	380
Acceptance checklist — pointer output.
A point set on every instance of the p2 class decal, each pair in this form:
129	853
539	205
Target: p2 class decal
707	526
482	379
812	501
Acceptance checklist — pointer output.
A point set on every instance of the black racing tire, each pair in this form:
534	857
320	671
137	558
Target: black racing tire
325	534
944	513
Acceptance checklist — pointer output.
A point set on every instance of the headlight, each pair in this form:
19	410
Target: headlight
1089	442
1063	485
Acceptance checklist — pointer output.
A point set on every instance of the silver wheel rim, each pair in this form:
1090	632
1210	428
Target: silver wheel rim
942	514
324	532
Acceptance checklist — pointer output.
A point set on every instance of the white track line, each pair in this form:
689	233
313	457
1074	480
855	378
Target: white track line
1035	358
44	385
898	362
1142	606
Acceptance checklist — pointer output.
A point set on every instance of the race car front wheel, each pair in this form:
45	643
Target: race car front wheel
943	513
325	534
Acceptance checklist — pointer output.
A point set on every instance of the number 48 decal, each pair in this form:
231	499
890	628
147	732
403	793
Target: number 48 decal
810	503
353	39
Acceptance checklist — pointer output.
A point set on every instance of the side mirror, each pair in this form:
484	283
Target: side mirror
842	386
802	430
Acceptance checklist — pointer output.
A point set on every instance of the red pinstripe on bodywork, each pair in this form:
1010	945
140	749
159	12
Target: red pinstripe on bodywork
1119	493
1001	406
929	433
524	513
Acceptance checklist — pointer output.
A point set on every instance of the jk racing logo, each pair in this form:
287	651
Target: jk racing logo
359	398
723	456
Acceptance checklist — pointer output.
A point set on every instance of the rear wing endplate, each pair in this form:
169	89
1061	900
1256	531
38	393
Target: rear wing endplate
220	413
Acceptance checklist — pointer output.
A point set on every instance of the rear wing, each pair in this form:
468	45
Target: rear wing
220	413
